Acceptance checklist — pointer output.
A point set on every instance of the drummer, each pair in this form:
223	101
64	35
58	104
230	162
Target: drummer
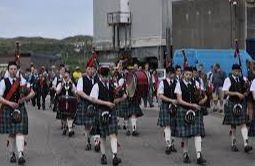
66	88
133	113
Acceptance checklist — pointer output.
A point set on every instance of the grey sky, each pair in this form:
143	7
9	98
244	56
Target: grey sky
46	18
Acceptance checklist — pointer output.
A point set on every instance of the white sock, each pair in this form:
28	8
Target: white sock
244	132
70	124
133	123
11	145
167	131
87	135
114	144
185	145
198	145
20	140
102	145
233	136
125	122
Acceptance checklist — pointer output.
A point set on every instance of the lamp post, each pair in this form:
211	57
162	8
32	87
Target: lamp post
17	53
233	4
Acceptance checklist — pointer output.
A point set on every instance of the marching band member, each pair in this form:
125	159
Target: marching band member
251	132
84	117
14	91
189	118
66	89
235	108
103	96
168	108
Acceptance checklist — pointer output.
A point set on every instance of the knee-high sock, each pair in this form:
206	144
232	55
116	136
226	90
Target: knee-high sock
12	143
244	132
133	123
114	144
102	145
185	145
168	138
20	140
127	123
87	135
198	145
70	124
233	136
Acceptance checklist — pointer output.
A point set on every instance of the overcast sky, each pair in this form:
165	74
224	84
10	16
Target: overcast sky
46	18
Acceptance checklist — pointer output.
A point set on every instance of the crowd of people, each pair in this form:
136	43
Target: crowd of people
98	99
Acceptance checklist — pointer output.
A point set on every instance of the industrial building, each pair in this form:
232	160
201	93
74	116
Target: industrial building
150	30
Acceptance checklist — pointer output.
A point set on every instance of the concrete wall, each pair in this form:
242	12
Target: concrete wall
251	22
206	24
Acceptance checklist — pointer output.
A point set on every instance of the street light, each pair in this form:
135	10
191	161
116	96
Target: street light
233	3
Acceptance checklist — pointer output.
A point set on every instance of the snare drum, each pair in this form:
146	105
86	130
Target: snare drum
67	105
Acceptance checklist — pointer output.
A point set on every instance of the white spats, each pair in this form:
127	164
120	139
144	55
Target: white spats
102	145
198	145
133	123
168	139
244	132
114	144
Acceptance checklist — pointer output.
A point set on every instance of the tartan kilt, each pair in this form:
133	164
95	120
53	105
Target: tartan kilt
6	124
251	132
229	118
106	130
134	109
81	118
189	130
122	109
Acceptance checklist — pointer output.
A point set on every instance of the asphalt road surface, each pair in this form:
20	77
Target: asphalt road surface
47	146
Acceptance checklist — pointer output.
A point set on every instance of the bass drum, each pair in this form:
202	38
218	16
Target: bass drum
137	85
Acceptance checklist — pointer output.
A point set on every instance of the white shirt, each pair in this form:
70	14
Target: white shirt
95	91
178	90
80	83
23	82
60	84
227	83
252	89
161	86
55	81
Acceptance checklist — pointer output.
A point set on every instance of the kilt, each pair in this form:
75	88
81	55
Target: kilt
189	130
81	117
251	132
134	109
229	118
6	124
122	109
110	128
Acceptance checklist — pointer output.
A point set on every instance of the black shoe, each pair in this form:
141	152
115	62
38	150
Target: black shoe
186	158
13	158
234	148
128	133
116	161
247	149
88	147
135	133
103	160
168	150
21	160
124	127
173	149
71	133
97	148
201	161
64	132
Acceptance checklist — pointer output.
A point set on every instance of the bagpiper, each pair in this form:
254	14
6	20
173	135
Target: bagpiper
189	117
103	96
235	89
86	117
14	91
67	103
168	106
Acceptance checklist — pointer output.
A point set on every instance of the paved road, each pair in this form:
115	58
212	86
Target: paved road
46	145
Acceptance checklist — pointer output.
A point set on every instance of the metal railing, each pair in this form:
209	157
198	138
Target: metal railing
119	18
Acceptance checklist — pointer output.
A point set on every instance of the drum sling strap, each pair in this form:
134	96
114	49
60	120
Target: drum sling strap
13	89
